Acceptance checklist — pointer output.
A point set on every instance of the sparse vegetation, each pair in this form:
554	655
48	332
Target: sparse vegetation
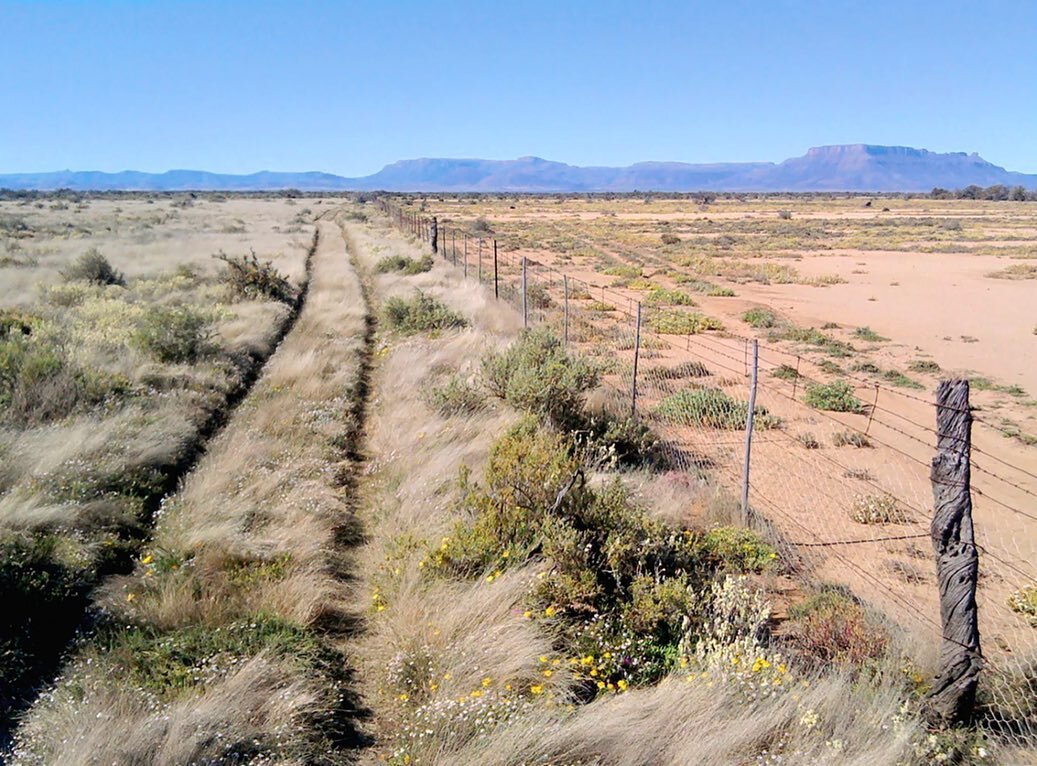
93	267
878	509
676	322
759	318
409	266
252	279
712	408
848	438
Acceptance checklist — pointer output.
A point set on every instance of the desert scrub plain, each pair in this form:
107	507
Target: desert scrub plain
541	590
419	541
122	346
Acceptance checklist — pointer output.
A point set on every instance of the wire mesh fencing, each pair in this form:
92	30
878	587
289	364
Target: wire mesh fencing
839	470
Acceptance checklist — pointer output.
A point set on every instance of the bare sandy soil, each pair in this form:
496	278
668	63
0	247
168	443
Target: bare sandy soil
918	275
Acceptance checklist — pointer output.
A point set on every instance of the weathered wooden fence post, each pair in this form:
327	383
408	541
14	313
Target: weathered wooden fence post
496	284
453	245
434	235
479	272
466	255
750	417
637	356
525	312
957	561
565	309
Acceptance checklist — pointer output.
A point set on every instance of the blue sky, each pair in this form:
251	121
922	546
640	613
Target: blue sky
348	87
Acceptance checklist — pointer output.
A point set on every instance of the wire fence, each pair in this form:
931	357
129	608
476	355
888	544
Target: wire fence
847	494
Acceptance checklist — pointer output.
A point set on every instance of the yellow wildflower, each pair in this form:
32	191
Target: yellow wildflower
536	689
486	682
622	684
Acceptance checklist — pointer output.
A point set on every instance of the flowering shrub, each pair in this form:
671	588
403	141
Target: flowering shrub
833	628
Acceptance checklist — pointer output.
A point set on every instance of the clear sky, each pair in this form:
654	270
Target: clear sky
347	87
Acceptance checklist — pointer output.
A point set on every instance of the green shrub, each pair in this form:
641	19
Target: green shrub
786	372
739	550
408	266
760	318
676	322
661	296
712	408
14	323
38	383
250	278
173	335
93	267
627	272
835	397
808	440
536	374
720	292
421	313
830	367
458	396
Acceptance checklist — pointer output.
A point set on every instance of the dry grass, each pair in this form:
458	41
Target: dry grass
255	533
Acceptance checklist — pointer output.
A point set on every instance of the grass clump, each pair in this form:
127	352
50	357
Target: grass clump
712	408
899	379
458	396
173	335
924	365
678	372
252	279
408	266
877	509
850	438
867	334
625	272
808	440
834	397
93	267
786	372
536	375
676	322
759	318
421	313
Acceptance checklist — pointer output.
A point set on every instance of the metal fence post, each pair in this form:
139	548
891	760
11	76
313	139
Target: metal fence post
565	309
496	284
637	356
749	417
479	274
957	562
525	312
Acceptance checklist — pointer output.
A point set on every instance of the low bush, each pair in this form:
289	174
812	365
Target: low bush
808	440
535	374
173	335
924	365
670	239
786	372
1024	602
760	318
878	509
250	278
835	397
627	272
458	396
712	408
93	267
850	438
409	266
421	313
676	322
866	333
661	296
39	384
899	379
831	627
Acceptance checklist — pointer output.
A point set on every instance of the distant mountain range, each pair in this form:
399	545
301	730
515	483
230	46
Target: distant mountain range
850	167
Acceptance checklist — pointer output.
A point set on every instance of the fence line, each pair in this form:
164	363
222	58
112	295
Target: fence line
694	390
